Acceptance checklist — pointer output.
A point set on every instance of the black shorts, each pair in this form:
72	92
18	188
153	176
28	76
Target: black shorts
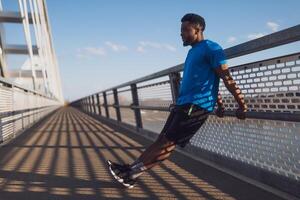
183	122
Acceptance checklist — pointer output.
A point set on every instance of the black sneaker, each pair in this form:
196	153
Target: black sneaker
121	173
117	170
128	181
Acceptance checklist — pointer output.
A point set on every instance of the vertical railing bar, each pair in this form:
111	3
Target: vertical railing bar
105	104
116	104
98	103
137	111
175	84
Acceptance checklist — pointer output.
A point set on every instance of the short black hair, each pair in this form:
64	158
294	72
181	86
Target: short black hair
194	19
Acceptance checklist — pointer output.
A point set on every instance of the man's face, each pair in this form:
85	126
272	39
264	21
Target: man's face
189	33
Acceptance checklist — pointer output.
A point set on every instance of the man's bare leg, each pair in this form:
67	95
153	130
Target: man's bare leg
157	152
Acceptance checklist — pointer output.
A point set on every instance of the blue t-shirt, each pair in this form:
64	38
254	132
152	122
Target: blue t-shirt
200	84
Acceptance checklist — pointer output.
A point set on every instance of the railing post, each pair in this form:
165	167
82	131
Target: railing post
175	84
116	104
105	104
1	134
93	104
137	111
98	103
84	104
89	104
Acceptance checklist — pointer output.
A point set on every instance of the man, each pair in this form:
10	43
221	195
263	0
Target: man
205	64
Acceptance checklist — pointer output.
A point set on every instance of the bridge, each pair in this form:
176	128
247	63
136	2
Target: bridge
50	150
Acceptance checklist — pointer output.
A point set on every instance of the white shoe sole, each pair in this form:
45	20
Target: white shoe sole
113	173
120	180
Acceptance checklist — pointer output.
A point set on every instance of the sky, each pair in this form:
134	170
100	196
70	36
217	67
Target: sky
100	44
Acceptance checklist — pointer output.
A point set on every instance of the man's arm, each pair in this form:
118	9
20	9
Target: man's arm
224	74
219	101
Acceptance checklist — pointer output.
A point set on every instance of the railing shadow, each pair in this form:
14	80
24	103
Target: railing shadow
64	157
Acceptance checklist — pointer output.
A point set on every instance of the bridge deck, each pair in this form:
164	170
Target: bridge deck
63	157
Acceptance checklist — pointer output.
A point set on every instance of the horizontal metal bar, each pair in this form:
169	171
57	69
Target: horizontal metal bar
124	106
19	49
16	112
24	73
282	37
19	118
154	84
11	84
158	108
13	17
294	117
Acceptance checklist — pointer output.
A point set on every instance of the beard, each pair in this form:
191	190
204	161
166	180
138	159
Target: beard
185	43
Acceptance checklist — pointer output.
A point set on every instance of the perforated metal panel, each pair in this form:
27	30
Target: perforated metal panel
269	86
268	144
154	120
156	92
19	109
5	99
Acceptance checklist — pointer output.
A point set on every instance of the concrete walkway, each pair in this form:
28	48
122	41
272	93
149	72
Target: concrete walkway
63	157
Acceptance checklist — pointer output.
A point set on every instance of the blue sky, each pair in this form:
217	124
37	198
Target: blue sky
100	44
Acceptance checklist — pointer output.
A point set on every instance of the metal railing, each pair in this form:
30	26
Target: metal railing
20	108
251	147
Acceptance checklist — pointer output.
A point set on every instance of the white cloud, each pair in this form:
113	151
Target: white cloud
273	26
140	49
116	47
169	47
231	39
253	36
143	45
90	51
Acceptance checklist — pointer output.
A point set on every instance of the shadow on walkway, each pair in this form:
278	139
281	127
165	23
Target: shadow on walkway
63	157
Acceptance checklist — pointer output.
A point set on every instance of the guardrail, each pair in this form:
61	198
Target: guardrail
20	108
266	150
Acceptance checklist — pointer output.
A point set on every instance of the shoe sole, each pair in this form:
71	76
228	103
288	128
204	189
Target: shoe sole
120	180
113	173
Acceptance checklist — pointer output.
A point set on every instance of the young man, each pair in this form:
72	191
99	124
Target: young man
205	64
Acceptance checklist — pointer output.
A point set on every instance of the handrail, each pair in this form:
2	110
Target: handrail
11	84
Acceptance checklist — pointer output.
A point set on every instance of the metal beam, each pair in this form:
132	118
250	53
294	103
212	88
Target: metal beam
24	73
285	36
19	49
12	17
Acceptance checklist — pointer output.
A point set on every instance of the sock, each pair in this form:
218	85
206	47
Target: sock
135	162
137	169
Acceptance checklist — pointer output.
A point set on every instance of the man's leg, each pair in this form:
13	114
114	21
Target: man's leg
157	152
180	126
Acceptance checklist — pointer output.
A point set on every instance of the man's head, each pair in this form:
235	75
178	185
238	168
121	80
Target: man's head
192	27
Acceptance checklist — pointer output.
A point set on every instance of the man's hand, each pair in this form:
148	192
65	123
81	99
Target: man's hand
230	84
240	113
220	110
